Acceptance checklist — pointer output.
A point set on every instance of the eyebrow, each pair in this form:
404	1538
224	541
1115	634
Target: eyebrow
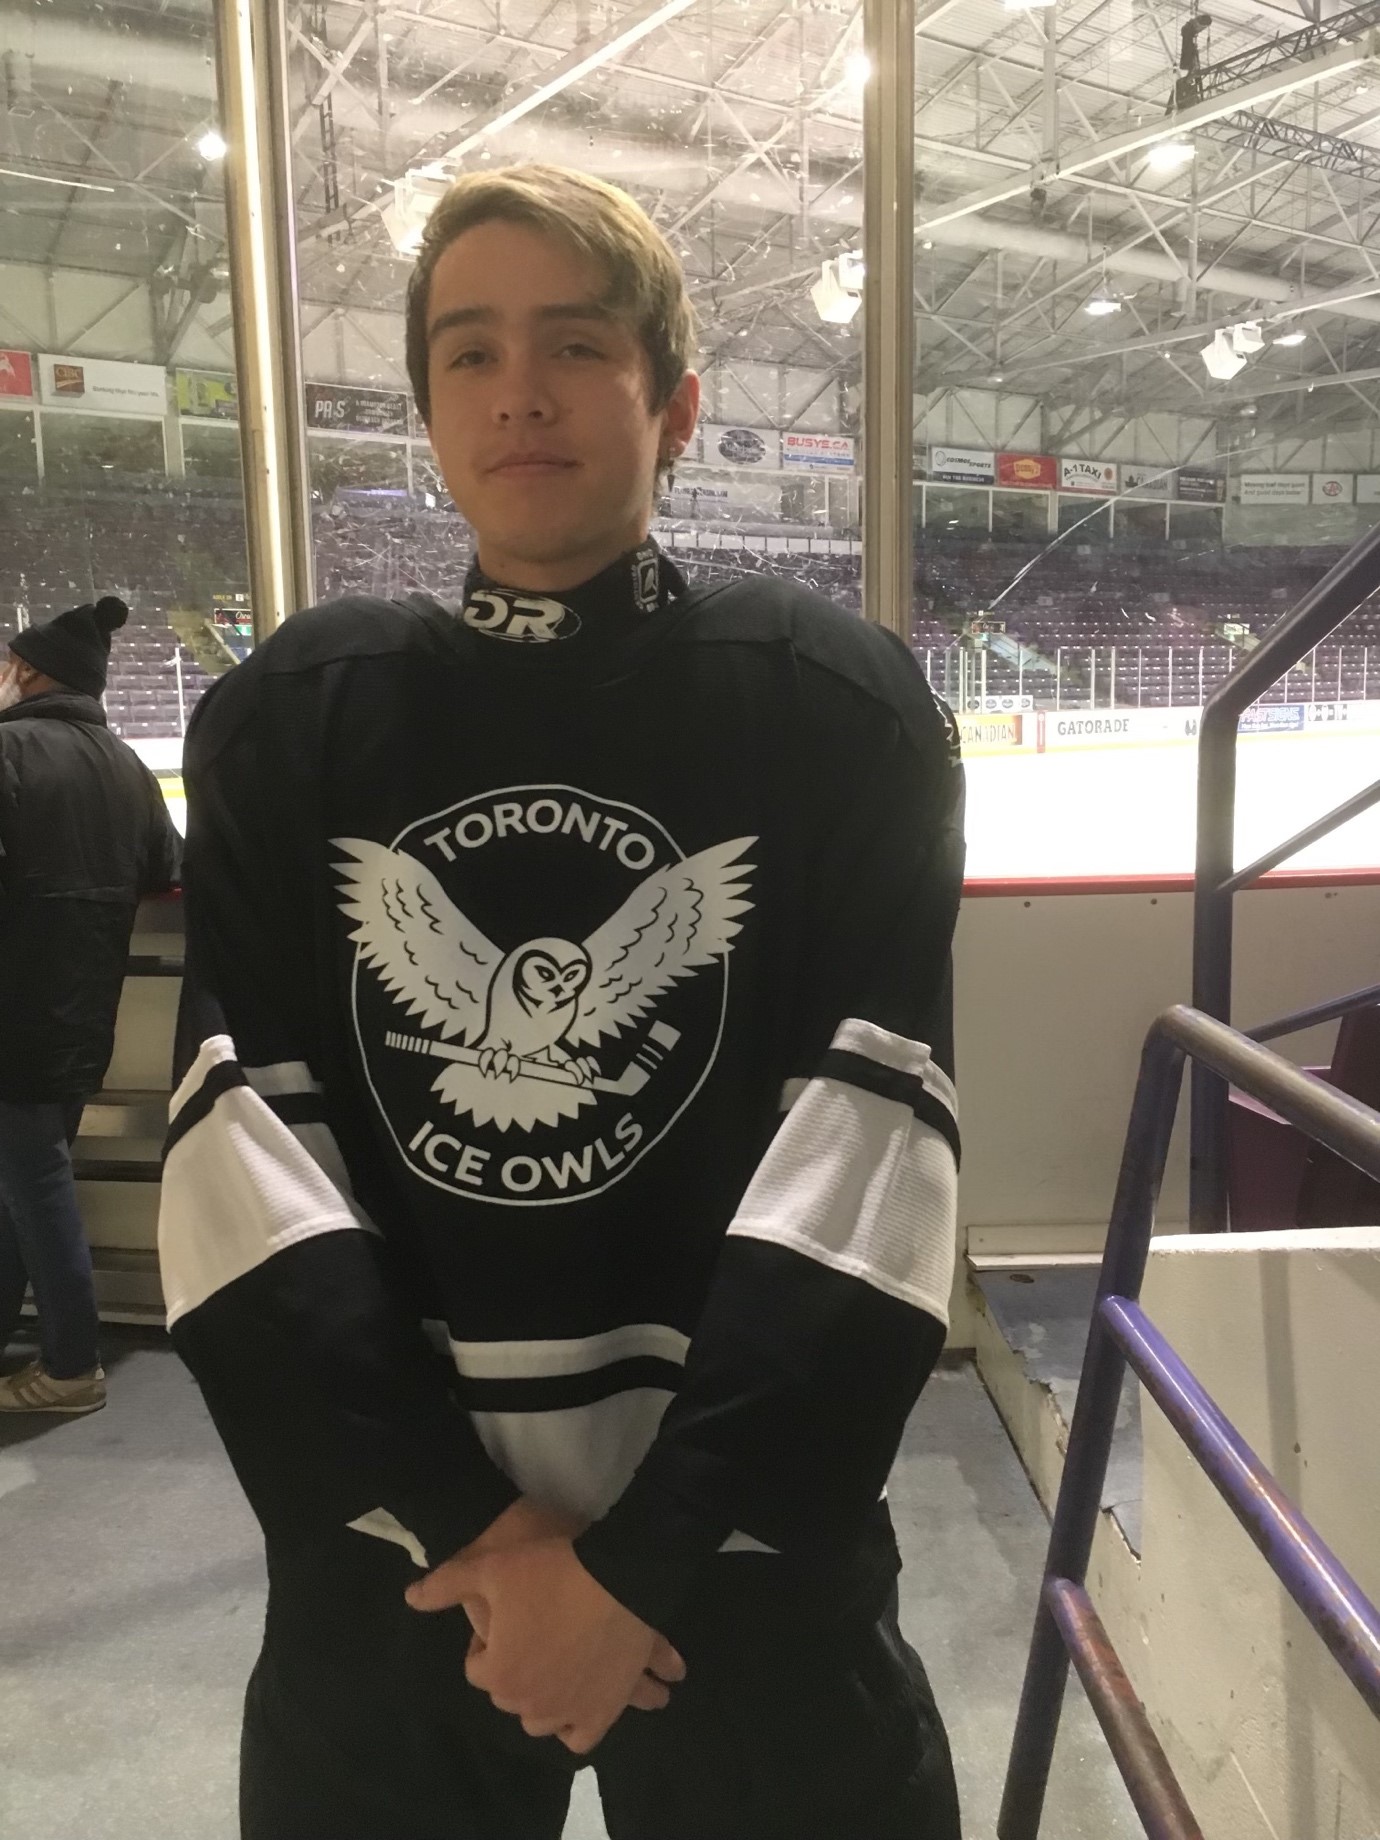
487	316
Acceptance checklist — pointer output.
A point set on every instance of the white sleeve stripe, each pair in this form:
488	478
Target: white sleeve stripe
888	1050
859	1183
238	1188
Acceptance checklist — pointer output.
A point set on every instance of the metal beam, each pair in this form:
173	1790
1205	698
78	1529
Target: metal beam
1292	76
591	55
888	313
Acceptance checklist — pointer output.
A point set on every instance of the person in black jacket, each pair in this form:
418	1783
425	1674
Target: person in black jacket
84	834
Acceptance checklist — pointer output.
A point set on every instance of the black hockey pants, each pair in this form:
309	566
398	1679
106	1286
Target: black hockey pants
360	1725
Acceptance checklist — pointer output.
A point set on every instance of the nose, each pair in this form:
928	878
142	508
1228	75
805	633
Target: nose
523	396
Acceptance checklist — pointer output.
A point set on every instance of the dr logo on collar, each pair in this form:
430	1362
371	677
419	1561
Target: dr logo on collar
529	619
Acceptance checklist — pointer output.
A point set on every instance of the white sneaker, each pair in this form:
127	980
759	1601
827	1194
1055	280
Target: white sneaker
33	1389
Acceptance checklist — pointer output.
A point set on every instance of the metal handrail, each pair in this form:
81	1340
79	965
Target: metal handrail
1340	592
1065	1624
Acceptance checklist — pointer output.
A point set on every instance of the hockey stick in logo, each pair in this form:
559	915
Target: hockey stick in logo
661	1038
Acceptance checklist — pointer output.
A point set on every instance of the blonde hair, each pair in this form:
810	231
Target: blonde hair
646	285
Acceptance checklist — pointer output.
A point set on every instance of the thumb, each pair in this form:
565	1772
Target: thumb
447	1587
666	1663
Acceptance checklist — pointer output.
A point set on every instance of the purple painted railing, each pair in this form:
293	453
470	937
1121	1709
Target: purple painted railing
1066	1625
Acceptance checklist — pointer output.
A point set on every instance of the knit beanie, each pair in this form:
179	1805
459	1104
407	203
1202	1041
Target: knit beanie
74	649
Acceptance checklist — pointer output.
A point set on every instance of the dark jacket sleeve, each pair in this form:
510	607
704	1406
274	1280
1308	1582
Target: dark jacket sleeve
163	856
829	1303
282	1295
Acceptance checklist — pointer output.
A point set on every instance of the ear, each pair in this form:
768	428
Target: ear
680	415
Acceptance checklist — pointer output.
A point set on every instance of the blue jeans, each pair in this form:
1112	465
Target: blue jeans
42	1240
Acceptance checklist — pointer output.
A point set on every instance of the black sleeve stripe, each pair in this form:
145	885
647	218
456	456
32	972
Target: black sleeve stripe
222	1078
890	1083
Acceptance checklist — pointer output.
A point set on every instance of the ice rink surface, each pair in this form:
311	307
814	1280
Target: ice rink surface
1131	810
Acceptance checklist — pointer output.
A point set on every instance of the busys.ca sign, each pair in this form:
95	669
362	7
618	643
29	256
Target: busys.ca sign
964	466
816	453
1087	476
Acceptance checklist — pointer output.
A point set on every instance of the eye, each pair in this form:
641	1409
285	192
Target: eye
581	349
466	360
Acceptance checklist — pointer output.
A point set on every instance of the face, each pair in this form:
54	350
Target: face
540	407
11	691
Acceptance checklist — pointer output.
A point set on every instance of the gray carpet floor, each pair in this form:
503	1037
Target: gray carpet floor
131	1596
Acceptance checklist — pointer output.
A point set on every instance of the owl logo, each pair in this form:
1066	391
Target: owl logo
516	1030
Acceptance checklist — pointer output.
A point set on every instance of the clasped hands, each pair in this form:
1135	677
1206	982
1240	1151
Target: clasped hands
550	1645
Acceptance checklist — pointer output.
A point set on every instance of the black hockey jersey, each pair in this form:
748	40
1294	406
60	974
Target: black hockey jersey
582	966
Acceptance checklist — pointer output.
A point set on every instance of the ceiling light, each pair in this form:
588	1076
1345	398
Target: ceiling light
1025	6
1220	359
837	294
1168	156
1291	338
1100	305
211	146
1247	337
858	69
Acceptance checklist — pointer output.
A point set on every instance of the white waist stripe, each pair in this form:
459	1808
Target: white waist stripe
541	1360
282	1077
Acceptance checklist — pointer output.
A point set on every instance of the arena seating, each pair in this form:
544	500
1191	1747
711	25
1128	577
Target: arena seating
163	544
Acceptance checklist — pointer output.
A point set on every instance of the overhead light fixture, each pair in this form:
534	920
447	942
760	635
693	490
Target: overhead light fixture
405	216
1169	156
837	294
1221	359
1291	338
1025	6
211	146
858	69
1101	305
1247	338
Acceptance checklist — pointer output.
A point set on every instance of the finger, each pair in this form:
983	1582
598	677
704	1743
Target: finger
542	1728
477	1646
446	1587
581	1739
666	1663
650	1695
478	1668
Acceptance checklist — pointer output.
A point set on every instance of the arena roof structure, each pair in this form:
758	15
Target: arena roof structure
1103	187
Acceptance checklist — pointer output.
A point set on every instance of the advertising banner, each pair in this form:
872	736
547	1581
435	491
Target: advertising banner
1148	481
963	466
16	373
212	393
1271	719
104	383
1037	472
341	407
817	453
1333	488
1197	486
758	448
1088	476
979	733
1368	488
1274	488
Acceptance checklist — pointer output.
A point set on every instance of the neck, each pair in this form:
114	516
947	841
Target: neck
558	574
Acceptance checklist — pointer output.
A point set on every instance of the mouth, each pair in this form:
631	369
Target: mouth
532	466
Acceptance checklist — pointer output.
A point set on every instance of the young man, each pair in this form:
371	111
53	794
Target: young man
84	833
582	963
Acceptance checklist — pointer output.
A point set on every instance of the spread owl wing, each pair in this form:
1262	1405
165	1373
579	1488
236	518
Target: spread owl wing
427	954
678	920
